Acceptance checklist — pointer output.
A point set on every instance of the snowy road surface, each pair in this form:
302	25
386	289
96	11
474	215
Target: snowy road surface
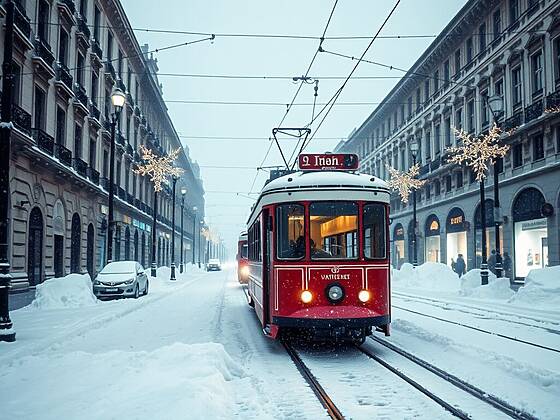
193	350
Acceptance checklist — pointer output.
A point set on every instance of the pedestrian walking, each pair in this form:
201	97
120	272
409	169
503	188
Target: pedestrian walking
507	264
492	261
460	265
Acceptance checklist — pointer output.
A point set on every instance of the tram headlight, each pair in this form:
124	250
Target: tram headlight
306	296
245	270
364	296
335	293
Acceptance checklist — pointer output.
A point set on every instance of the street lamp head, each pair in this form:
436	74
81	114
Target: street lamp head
183	191
496	104
118	99
413	146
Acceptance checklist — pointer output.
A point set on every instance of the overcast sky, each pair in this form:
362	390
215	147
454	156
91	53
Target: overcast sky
243	130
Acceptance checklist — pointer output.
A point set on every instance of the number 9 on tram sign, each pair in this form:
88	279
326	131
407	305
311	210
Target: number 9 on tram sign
328	162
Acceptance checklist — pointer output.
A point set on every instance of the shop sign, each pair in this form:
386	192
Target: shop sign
127	219
534	224
432	226
399	233
456	220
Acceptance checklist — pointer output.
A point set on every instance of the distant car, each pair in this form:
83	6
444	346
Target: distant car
121	279
213	265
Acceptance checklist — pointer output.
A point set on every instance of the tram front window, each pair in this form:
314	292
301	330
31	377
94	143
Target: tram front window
334	227
374	231
291	231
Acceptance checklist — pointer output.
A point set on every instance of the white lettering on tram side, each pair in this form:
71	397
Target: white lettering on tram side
326	161
335	276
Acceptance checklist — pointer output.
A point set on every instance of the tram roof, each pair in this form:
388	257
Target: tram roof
324	179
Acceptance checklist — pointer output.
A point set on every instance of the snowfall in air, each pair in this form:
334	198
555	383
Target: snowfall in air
192	349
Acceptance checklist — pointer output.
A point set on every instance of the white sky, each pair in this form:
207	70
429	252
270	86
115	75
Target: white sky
226	210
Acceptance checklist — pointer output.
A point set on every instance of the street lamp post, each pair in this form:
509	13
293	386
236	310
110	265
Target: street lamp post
153	266
183	193
484	263
496	105
194	237
414	152
118	99
173	277
200	241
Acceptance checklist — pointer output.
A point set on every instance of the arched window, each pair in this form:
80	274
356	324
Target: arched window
75	244
35	247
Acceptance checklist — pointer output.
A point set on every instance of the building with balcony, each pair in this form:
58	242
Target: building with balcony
68	56
509	48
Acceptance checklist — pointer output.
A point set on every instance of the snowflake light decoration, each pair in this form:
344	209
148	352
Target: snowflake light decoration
477	151
405	182
158	168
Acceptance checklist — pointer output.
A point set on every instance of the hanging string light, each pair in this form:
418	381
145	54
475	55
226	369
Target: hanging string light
405	182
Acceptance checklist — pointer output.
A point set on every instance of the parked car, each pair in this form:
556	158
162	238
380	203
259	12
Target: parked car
213	265
121	279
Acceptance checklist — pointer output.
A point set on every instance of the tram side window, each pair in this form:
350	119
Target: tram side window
374	231
244	250
254	241
290	227
334	227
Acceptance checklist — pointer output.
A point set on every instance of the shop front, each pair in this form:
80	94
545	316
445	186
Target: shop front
456	229
530	228
432	241
490	232
398	246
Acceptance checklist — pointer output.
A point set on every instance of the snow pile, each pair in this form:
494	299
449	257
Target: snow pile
497	288
428	276
542	288
71	291
178	381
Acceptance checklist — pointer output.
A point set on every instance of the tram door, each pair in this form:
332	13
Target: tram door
267	265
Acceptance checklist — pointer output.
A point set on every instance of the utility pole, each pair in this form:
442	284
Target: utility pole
7	333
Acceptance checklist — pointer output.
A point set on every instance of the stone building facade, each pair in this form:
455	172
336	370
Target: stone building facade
509	48
68	57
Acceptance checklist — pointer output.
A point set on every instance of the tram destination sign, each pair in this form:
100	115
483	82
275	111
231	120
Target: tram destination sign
328	162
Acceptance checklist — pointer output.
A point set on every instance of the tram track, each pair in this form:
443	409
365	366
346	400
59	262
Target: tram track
485	397
480	312
507	337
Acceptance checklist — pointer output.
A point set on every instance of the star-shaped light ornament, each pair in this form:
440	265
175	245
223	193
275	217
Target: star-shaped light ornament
477	152
405	182
158	168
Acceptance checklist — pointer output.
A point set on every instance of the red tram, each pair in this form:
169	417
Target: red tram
319	251
242	262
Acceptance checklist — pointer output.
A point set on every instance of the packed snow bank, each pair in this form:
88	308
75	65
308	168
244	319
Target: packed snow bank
71	291
497	288
195	381
428	276
542	288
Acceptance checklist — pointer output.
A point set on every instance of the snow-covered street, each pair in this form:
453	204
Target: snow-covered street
193	349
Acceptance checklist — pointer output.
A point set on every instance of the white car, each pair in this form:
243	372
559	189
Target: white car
121	279
213	264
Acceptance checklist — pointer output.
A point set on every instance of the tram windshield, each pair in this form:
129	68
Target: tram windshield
291	231
333	230
374	231
244	250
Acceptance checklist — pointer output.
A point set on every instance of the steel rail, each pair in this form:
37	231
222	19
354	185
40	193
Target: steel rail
507	337
316	387
441	304
484	396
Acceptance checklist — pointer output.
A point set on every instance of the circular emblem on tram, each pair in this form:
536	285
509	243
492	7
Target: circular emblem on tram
335	269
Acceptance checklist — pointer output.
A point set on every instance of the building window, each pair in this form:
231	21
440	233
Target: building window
471	125
457	61
120	64
538	147
63	47
428	145
537	70
437	188
428	191
410	106
126	177
437	140
43	21
77	141
517	155
516	86
96	23
557	58
105	163
403	160
448	183
499	165
427	89
459	119
92	152
482	37
497	23
446	73
472	176
118	175
447	128
459	180
17	83
109	46
60	126
418	99
513	11
83	9
40	108
80	70
532	6
470	50
499	88
436	81
484	108
94	87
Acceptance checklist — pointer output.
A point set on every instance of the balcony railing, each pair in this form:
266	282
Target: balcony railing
81	95
129	198
94	112
122	193
107	124
93	175
424	170
63	154
513	122
70	4
96	49
44	141
21	119
533	111
83	28
553	99
22	21
63	75
43	51
104	182
80	166
110	69
129	149
138	204
435	164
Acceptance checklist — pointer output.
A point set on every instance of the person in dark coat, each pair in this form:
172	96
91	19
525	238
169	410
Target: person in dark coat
492	261
507	265
460	265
